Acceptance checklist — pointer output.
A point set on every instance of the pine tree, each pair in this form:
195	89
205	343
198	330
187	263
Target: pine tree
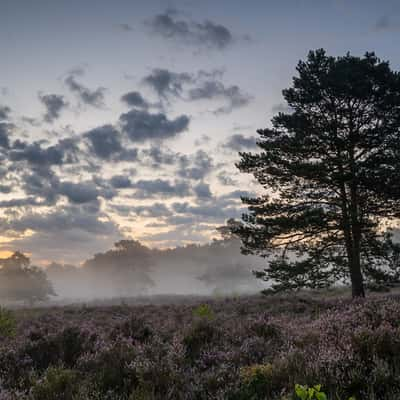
331	169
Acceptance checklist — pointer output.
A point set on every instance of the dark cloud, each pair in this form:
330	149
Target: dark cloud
64	151
202	190
200	34
4	112
239	142
22	202
105	141
160	187
121	182
135	99
35	154
141	125
75	231
203	85
54	104
160	156
82	192
5	133
65	218
167	83
44	183
93	98
5	188
213	89
196	166
41	182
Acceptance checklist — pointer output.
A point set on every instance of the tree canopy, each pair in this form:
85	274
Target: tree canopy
19	281
330	167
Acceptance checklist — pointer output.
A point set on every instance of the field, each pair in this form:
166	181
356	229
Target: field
229	348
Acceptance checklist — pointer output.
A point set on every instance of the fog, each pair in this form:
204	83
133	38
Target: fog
131	269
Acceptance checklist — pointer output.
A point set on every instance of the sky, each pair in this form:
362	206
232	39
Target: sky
124	119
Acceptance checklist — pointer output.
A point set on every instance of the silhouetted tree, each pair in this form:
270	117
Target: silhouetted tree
124	268
19	281
331	168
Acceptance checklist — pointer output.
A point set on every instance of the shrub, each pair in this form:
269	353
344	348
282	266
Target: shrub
309	393
56	384
204	311
133	328
200	334
7	323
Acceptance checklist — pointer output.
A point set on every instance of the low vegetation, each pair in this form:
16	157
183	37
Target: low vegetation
281	347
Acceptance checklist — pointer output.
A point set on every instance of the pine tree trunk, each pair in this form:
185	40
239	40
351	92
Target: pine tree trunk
352	238
357	284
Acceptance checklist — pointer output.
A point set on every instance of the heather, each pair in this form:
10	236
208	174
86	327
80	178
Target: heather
254	347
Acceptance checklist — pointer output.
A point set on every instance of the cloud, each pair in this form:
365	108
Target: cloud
141	125
120	182
82	192
34	153
160	187
202	190
5	188
63	152
63	218
21	202
207	34
5	132
196	166
4	112
203	85
90	97
54	105
135	99
155	210
104	141
204	139
41	182
70	232
161	156
238	142
167	83
281	108
213	89
226	179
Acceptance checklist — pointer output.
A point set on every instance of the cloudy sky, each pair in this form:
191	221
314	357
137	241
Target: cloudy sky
124	118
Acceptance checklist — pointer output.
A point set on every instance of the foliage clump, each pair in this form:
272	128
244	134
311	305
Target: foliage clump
7	323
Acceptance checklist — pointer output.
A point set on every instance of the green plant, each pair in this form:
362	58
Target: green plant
57	384
204	311
7	323
304	392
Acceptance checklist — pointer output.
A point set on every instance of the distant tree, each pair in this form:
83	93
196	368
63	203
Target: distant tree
331	169
124	268
19	281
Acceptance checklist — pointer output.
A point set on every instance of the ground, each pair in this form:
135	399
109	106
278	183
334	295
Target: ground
235	348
